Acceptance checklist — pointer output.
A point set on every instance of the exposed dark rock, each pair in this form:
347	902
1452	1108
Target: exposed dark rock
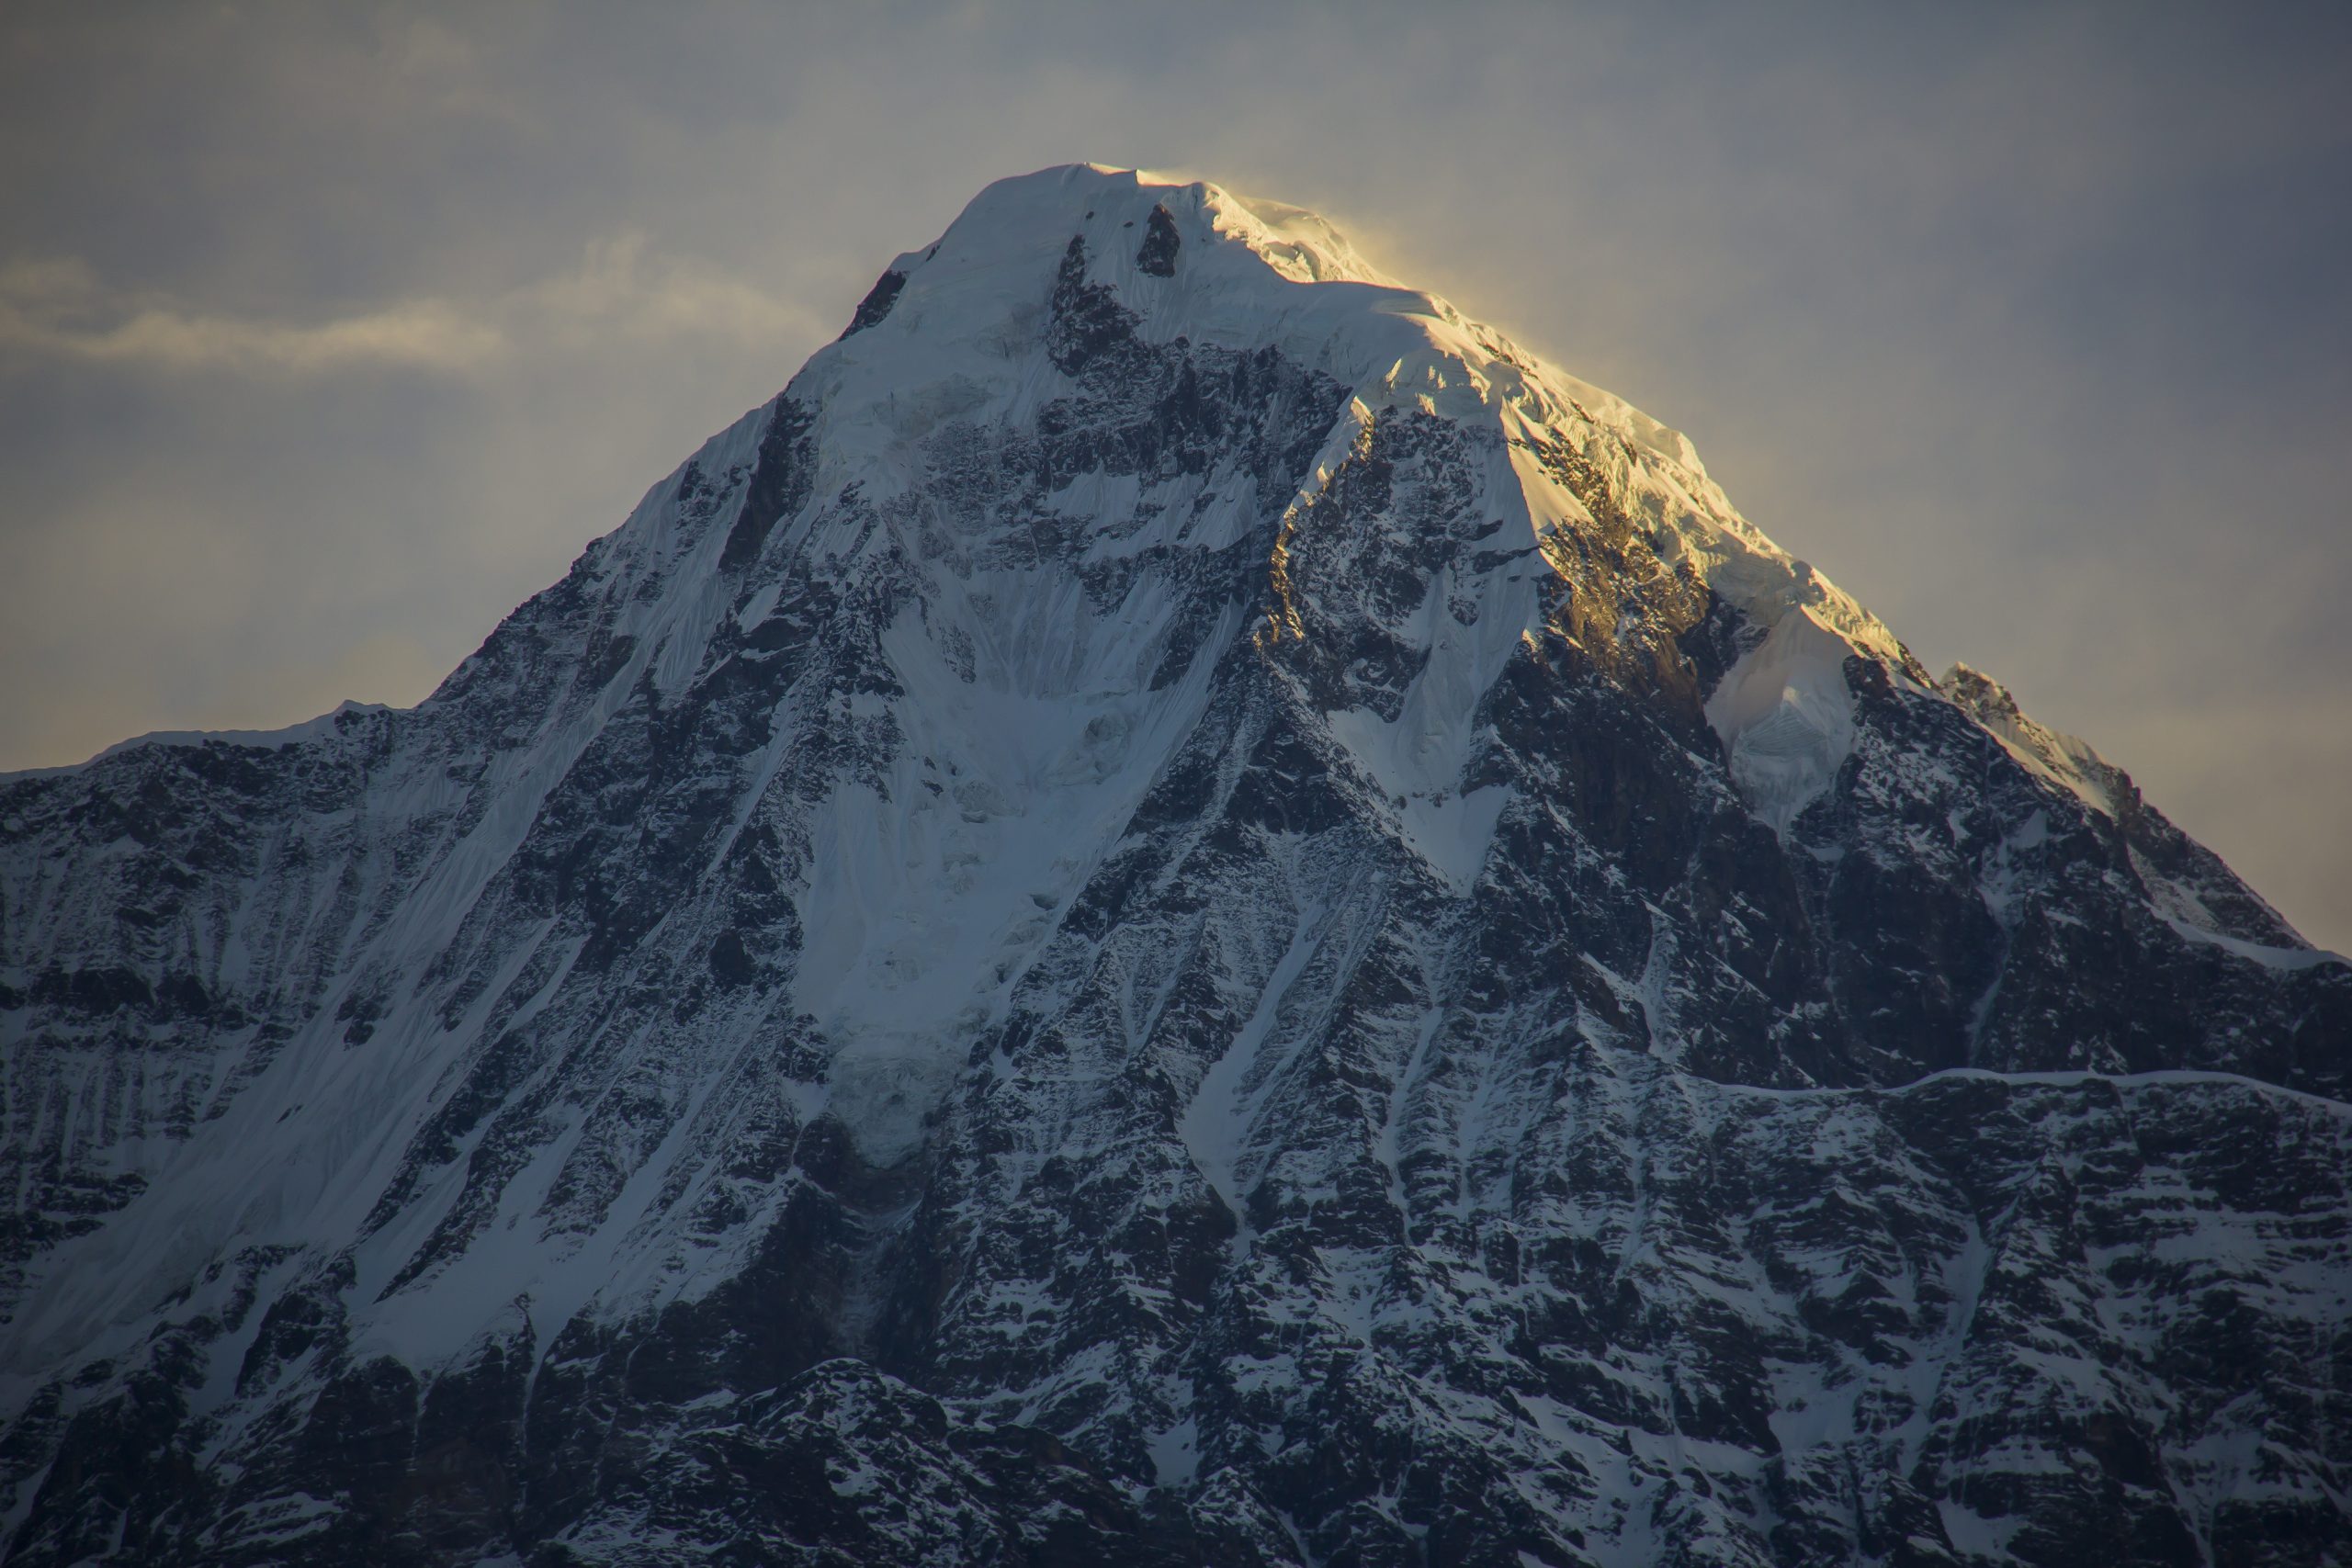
876	303
1157	254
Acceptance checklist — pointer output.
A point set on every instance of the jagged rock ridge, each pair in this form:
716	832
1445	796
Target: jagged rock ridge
1182	909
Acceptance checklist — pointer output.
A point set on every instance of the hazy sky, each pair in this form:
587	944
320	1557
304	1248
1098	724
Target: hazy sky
327	334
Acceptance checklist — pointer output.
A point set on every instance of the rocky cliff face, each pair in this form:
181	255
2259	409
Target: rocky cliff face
1181	910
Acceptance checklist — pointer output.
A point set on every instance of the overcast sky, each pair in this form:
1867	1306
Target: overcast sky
328	333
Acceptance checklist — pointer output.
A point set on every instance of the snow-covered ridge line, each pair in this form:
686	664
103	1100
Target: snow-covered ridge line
1256	274
2066	760
325	726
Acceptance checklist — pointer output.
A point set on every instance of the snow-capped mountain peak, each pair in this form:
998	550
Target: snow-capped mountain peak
1184	904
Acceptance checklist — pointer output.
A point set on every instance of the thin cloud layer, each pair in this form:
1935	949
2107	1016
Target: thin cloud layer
426	334
57	309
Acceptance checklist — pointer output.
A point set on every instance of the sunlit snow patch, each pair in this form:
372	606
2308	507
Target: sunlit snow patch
1786	717
2064	760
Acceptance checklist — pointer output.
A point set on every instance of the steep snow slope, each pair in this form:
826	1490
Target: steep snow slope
1181	903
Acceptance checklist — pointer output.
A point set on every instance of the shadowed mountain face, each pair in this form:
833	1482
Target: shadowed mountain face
1181	911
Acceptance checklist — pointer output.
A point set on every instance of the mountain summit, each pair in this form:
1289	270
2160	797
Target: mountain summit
1182	909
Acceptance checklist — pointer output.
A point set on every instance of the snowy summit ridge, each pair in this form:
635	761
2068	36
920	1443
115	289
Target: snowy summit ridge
1182	907
1260	274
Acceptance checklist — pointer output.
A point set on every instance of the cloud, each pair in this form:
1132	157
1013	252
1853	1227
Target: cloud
623	286
58	308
